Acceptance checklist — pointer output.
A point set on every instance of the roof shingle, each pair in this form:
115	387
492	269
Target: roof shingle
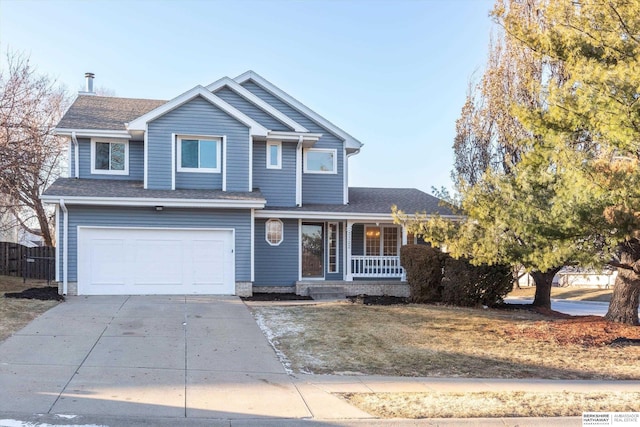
105	113
362	200
368	200
105	188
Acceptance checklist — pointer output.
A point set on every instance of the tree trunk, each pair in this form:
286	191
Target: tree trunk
623	307
43	223
543	281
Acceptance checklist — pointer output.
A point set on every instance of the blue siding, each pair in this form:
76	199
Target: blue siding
251	110
276	265
136	161
198	117
238	219
316	188
198	181
278	186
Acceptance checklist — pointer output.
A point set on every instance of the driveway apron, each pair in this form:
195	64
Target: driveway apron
146	356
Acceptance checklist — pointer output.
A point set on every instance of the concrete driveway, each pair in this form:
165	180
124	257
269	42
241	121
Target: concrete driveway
146	356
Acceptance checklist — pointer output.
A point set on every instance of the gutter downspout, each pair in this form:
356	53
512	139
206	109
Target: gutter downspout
299	172
76	156
346	168
65	251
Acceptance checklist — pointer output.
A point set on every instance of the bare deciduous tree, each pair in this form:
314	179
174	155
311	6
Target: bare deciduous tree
31	104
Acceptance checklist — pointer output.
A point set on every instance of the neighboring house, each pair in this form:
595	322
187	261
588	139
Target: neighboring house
226	189
578	277
11	231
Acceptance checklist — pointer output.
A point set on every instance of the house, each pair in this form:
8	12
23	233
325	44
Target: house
231	188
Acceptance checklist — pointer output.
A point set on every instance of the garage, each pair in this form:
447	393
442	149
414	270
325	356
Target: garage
153	261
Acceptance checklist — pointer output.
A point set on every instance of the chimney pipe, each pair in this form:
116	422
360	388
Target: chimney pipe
89	78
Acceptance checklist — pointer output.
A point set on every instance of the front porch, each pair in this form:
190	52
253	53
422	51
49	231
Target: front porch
387	267
373	251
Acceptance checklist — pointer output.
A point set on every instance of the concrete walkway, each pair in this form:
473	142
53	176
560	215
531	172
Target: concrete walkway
193	361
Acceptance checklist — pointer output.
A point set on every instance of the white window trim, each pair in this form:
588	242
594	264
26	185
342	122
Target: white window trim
381	243
266	231
278	164
322	150
217	139
95	171
337	225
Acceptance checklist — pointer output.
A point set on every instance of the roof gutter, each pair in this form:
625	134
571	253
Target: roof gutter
65	250
93	133
157	201
76	155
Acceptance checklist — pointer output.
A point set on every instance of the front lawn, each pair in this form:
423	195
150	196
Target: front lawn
427	340
492	404
16	313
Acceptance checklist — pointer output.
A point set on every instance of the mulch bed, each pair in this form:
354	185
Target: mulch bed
276	297
562	328
586	331
45	293
377	300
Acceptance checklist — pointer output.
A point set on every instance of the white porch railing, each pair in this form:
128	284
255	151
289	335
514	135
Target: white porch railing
376	266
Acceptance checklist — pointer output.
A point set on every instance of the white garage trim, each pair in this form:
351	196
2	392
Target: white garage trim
155	261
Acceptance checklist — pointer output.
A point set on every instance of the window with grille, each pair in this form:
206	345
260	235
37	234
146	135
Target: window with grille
274	232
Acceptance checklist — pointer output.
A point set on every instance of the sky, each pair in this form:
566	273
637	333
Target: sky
393	73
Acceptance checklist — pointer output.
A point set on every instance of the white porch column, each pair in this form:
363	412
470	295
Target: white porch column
349	275
404	242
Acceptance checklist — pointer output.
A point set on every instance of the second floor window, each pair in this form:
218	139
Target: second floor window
198	155
320	160
274	155
109	157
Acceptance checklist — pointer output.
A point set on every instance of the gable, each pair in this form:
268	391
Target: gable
251	110
294	108
140	123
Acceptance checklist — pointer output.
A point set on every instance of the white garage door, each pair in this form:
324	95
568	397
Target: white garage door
147	261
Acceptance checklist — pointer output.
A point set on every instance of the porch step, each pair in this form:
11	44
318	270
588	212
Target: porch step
327	293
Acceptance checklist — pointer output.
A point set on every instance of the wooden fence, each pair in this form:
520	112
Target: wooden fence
30	263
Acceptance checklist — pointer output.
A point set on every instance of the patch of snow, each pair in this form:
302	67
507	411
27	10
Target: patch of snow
272	337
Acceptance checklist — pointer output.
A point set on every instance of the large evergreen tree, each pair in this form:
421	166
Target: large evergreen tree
596	110
547	150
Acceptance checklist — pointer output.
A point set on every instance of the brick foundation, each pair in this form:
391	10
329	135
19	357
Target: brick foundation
390	288
244	289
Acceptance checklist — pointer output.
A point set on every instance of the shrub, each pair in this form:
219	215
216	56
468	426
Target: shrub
423	265
469	285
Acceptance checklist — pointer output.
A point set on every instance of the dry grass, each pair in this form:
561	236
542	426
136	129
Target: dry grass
16	313
492	404
573	294
423	340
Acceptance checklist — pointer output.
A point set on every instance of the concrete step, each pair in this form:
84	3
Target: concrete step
327	292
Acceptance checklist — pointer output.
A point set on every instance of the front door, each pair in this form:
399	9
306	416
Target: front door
312	250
